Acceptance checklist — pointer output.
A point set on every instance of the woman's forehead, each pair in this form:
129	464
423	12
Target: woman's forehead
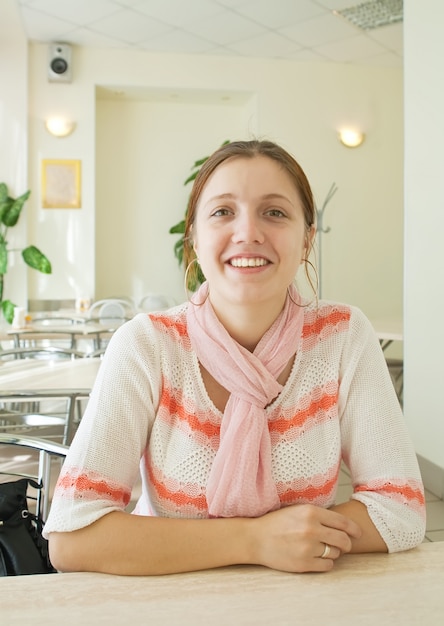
260	172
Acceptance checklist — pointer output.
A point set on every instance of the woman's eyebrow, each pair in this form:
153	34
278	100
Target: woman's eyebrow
272	196
231	196
267	196
220	196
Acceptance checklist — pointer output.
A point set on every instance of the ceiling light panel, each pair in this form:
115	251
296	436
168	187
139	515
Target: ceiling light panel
374	14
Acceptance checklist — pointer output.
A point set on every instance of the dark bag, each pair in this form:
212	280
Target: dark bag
23	550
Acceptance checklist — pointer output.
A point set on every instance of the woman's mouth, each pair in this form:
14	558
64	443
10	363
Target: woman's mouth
248	262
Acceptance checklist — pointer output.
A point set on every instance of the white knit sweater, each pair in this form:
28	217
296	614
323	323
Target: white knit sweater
150	412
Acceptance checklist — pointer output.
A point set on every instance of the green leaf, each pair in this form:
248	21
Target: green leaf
8	310
3	258
178	250
3	192
12	213
200	162
4	207
178	228
200	275
36	259
191	177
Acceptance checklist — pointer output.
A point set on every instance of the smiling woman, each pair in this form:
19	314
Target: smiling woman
239	407
251	241
298	200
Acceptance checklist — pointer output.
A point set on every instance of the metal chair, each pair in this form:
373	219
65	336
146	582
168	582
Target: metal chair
111	309
156	302
15	421
109	313
54	411
21	411
396	369
99	353
47	450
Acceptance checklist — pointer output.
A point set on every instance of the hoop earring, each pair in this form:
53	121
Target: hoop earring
315	287
291	298
185	280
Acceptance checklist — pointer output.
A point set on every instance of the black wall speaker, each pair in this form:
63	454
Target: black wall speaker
60	63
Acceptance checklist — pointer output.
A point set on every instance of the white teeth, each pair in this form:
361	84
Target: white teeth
244	262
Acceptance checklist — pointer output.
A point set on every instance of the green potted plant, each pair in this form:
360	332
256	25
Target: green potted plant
10	209
179	228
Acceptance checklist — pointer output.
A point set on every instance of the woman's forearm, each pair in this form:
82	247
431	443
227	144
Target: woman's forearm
290	539
120	543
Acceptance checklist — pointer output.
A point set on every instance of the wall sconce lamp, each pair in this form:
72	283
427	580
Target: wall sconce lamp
351	138
59	126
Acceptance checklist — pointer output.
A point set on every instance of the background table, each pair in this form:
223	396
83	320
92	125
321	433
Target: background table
366	590
42	373
90	329
388	330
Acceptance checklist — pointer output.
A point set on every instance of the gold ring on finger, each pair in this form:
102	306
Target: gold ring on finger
326	552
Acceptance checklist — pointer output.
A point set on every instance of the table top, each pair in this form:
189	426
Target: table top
54	374
388	329
403	588
85	328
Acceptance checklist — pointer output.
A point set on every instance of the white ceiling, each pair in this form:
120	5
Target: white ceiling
301	30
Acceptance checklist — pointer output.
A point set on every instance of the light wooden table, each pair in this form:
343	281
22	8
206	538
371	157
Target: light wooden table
363	590
43	373
88	330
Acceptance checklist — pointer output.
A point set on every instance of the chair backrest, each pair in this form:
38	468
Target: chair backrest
46	451
13	420
20	410
111	309
156	302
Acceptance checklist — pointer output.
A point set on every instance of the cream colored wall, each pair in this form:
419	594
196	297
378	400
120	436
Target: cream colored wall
299	105
424	217
67	236
145	150
13	143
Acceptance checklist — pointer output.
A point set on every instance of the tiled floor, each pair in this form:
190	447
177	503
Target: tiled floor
435	508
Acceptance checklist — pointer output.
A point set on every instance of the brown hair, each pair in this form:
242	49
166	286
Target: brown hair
245	149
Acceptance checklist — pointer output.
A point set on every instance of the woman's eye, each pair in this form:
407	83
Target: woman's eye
220	212
275	213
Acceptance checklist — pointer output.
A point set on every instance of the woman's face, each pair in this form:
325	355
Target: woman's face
249	232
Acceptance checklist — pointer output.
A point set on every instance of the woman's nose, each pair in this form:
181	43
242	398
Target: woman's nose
247	229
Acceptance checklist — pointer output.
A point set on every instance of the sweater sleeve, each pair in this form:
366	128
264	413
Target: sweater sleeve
102	464
376	445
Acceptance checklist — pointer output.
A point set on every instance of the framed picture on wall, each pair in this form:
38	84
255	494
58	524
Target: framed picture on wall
61	184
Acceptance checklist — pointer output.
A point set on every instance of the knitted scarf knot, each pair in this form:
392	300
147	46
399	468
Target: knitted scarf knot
240	483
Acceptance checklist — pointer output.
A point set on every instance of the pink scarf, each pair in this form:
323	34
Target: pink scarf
241	482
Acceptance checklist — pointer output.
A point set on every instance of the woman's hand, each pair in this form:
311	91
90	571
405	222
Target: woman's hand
293	539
